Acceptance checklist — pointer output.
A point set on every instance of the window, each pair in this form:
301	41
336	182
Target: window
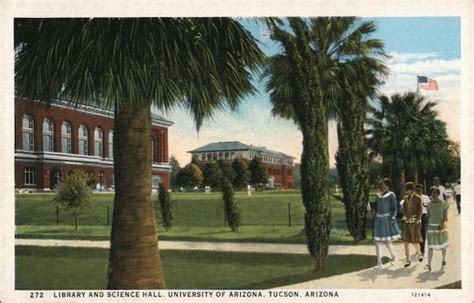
48	135
83	138
66	138
102	178
221	156
214	156
209	157
27	132
156	180
98	142
203	157
111	144
30	176
227	155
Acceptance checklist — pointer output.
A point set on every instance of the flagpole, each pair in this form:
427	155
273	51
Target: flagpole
417	89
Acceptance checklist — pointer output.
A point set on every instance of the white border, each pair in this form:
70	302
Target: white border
237	8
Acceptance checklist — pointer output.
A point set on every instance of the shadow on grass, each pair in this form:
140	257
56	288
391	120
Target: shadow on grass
84	268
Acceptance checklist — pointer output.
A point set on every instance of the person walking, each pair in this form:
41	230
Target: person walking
425	200
442	190
457	195
411	222
386	228
437	234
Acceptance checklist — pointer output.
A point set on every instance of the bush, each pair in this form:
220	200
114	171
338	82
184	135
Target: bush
75	192
165	206
232	212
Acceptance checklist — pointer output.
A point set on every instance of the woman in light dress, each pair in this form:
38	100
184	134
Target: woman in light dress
437	235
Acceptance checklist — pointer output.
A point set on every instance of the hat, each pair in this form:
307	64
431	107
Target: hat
409	186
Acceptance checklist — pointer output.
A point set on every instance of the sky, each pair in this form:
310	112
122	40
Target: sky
428	46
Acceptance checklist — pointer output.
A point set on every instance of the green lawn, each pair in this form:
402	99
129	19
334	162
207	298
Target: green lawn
54	268
196	217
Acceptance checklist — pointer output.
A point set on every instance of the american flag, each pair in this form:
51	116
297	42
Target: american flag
427	83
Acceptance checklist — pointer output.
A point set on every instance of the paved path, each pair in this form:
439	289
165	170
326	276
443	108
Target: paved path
397	276
389	277
211	246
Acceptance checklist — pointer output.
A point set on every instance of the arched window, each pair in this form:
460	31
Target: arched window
48	135
27	132
98	142
66	138
111	144
83	138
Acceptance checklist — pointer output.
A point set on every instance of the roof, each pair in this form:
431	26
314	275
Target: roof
235	146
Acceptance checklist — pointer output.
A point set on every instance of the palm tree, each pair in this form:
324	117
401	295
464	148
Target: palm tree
304	85
352	158
131	64
405	131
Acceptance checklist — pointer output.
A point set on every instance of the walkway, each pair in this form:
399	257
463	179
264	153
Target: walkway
397	276
389	277
210	246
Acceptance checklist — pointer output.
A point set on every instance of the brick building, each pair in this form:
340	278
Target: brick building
51	140
279	166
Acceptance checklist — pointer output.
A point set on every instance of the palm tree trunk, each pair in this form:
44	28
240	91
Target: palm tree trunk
352	161
314	173
134	261
402	182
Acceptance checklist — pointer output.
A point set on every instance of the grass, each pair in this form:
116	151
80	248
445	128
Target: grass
264	234
196	217
54	268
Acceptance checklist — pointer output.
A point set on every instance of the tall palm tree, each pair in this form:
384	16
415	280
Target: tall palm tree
352	158
131	64
304	85
405	131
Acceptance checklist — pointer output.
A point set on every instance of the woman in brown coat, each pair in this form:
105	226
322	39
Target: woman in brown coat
411	222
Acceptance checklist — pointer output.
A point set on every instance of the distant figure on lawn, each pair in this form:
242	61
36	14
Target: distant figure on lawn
386	228
411	222
437	231
457	195
442	190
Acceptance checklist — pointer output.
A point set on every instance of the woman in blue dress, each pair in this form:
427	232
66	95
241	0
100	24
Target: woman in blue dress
386	228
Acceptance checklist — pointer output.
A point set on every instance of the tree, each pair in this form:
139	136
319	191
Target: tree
128	65
258	173
189	176
404	130
226	169
165	206
174	171
304	82
231	209
241	170
75	193
375	173
212	175
352	159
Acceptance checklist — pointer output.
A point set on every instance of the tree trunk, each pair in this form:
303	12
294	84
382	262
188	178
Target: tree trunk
314	174
402	182
75	218
134	261
352	165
